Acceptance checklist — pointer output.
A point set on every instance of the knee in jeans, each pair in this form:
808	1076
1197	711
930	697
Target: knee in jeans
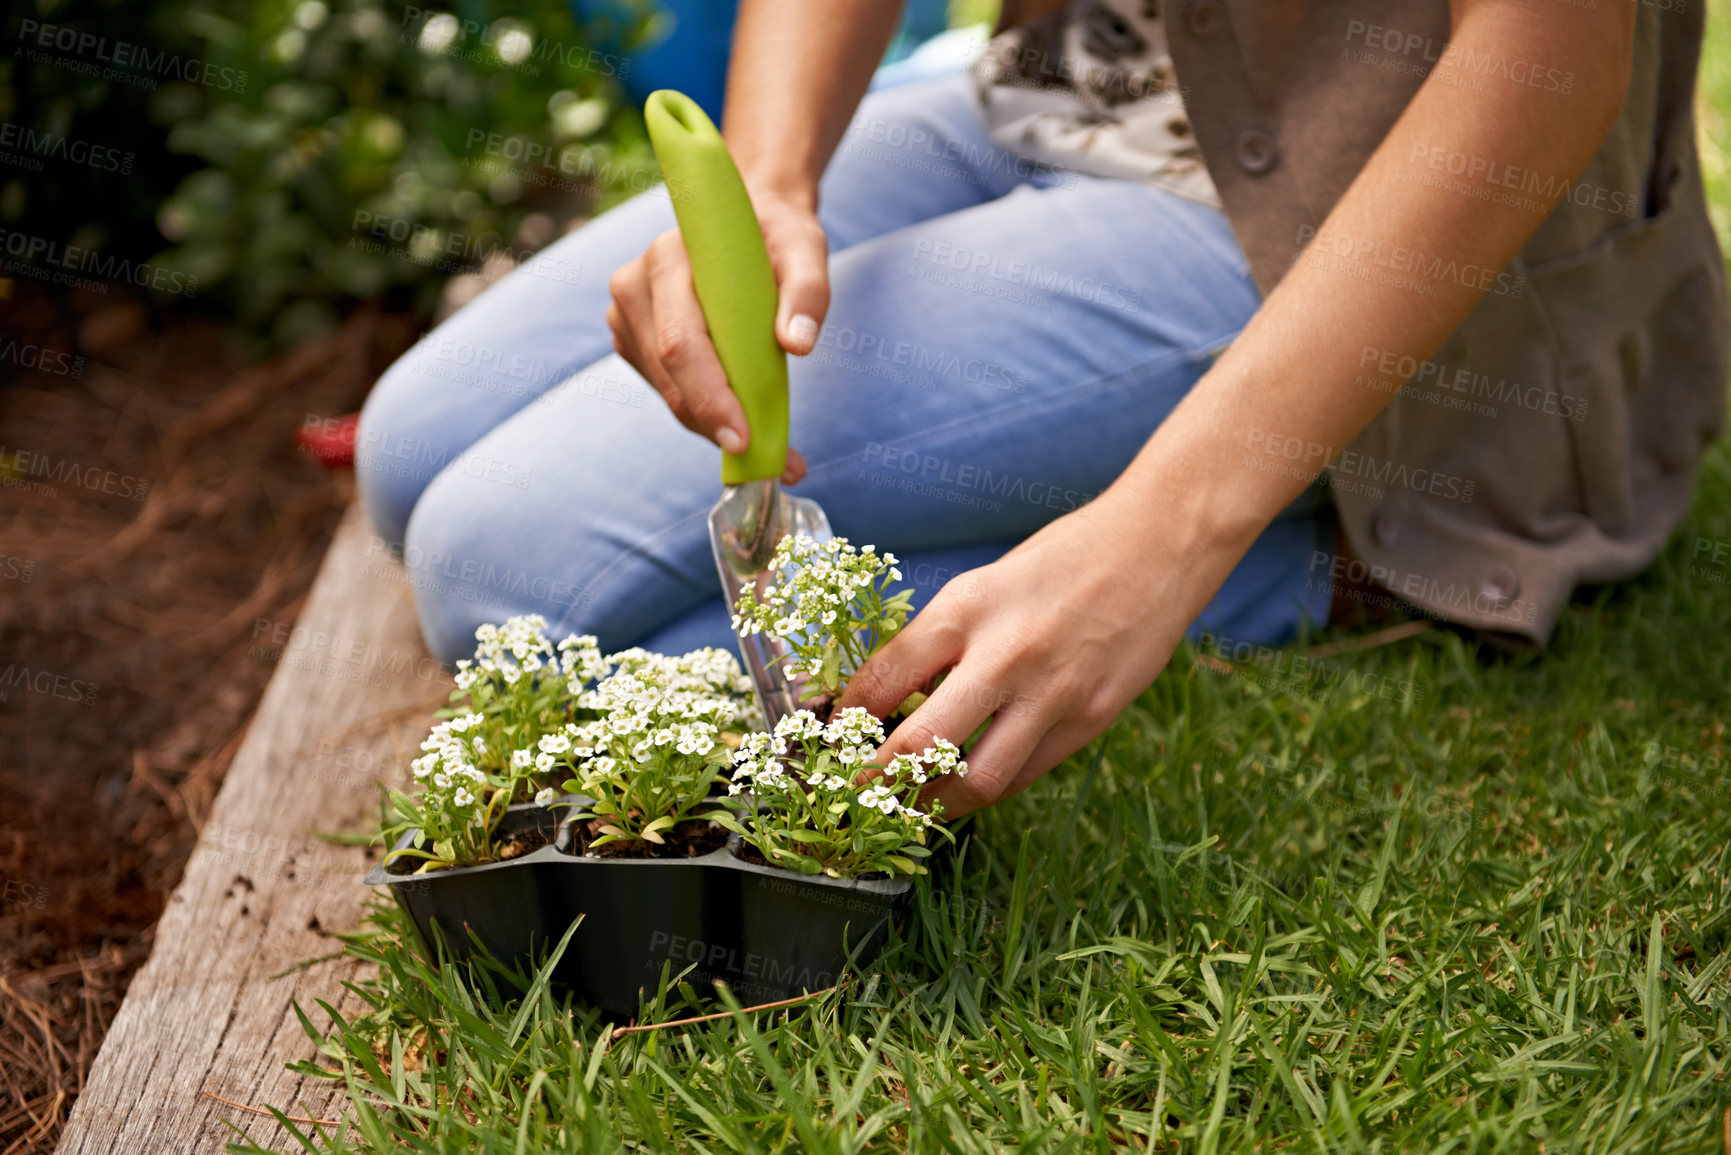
470	561
452	567
395	458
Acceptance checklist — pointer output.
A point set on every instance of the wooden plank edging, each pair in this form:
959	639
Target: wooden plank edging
353	692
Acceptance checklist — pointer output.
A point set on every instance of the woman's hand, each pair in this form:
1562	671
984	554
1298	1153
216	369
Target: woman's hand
796	75
1051	642
658	325
1055	639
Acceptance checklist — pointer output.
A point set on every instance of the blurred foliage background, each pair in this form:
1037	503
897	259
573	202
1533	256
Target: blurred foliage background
267	142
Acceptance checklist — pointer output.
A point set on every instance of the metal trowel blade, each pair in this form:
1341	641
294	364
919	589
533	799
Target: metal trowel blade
744	528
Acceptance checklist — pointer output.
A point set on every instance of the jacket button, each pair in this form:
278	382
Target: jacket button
1202	17
1501	585
1384	527
1256	152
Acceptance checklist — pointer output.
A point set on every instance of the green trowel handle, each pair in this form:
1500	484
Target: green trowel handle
730	268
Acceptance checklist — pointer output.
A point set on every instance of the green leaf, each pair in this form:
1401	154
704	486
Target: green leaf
405	852
796	861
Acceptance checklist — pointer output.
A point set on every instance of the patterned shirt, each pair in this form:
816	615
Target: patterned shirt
1091	89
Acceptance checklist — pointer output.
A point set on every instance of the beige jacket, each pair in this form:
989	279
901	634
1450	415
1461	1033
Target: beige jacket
1553	440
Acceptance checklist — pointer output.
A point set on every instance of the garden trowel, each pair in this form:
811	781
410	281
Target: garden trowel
736	287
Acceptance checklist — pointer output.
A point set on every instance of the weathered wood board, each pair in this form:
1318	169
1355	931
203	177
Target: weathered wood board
211	1010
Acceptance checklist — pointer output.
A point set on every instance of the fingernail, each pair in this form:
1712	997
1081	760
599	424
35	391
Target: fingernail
802	330
729	440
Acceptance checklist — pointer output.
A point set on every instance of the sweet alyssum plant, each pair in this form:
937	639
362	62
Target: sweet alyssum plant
647	761
640	739
457	804
524	687
519	704
795	797
517	689
831	603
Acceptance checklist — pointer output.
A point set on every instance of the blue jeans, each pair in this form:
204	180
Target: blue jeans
1001	341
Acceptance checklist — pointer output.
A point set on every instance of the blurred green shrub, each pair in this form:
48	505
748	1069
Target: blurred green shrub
298	154
387	146
56	103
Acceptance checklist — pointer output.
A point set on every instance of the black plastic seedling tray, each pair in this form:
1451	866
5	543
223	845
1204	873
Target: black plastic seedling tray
768	933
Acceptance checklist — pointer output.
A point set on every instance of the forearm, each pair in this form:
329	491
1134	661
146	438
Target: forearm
798	71
1221	467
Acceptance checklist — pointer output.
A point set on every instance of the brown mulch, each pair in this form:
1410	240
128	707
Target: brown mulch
155	518
525	843
690	839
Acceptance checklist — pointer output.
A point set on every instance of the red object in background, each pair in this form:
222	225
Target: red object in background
329	439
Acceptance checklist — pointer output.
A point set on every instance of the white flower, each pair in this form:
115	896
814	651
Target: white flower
906	766
854	726
817	600
696	738
944	758
799	726
507	654
880	798
758	744
520	759
545	796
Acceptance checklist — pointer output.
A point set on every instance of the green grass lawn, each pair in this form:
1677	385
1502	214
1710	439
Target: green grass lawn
1488	910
